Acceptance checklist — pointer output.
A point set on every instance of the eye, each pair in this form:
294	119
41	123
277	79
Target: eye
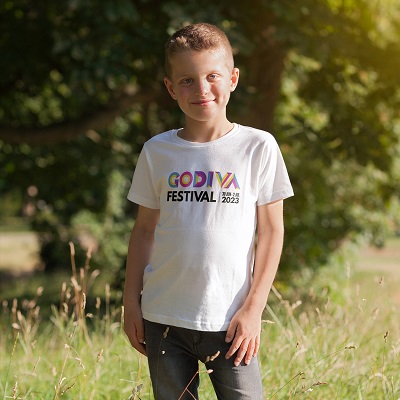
213	76
186	81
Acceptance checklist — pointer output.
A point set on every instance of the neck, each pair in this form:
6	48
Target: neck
201	132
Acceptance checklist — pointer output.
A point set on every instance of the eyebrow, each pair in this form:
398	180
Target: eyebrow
190	74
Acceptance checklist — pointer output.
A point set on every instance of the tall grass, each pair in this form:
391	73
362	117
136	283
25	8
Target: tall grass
336	339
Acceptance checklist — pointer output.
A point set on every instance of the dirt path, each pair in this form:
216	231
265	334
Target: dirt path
381	265
18	252
18	255
386	259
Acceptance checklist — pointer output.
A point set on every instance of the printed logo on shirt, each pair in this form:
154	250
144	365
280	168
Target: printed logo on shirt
206	180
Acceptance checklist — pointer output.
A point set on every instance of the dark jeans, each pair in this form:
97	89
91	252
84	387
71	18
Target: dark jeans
174	353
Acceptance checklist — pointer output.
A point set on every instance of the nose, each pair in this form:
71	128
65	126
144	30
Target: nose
203	87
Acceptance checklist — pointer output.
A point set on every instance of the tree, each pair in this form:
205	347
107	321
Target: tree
81	88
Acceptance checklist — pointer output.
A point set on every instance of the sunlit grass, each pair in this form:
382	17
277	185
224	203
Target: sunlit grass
337	338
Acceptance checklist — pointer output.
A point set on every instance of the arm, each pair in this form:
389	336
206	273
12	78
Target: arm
245	327
139	253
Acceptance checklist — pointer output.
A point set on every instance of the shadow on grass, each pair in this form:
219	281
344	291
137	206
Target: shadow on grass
53	290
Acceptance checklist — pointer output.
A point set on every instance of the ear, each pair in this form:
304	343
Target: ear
234	78
168	84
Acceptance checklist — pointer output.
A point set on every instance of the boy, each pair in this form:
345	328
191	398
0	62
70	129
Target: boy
202	190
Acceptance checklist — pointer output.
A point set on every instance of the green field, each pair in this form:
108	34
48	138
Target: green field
334	334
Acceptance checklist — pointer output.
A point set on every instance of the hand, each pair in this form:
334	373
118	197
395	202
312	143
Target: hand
244	330
134	327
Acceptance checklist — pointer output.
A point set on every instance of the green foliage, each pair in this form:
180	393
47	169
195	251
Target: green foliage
341	140
76	57
81	88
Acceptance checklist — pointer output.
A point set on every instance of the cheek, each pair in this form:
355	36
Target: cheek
182	92
225	89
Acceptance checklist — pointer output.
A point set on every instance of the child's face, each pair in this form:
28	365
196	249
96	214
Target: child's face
202	82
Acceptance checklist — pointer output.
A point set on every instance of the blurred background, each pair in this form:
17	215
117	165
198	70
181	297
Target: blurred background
81	90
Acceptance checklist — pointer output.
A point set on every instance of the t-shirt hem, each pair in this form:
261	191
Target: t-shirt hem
197	326
281	195
143	201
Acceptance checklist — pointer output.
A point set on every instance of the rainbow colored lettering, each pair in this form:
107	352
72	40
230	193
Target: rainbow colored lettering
201	178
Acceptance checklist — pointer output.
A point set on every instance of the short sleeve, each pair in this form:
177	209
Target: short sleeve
274	182
142	189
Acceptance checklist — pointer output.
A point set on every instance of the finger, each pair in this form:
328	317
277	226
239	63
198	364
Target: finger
141	345
132	334
257	345
230	334
242	352
141	348
140	331
233	349
250	351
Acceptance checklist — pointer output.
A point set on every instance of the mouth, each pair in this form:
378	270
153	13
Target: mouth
202	102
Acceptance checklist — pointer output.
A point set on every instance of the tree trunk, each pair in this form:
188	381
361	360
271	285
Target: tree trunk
265	67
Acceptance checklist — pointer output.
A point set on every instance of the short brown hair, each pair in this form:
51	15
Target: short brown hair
198	37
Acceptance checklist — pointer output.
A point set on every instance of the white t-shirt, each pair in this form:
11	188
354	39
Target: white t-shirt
201	268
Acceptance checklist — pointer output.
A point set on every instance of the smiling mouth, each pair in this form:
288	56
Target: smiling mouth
202	102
